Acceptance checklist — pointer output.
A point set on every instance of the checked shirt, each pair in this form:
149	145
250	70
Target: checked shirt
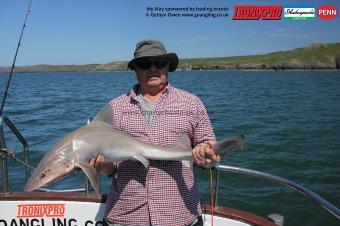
165	193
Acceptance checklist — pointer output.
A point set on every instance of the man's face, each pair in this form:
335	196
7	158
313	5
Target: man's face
152	72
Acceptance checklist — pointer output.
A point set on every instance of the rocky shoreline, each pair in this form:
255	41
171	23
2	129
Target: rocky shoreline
317	56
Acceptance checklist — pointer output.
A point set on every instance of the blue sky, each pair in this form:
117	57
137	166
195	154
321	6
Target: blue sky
101	31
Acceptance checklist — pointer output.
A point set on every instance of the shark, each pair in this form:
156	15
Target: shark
102	136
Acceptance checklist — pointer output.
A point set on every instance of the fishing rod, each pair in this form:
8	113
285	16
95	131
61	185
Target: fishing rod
15	57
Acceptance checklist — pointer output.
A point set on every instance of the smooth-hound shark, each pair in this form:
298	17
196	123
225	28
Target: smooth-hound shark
102	137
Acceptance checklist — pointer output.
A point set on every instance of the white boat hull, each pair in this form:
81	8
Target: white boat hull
56	209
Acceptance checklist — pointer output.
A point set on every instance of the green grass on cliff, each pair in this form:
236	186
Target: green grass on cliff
315	56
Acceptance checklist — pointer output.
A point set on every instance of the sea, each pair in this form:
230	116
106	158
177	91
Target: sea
291	120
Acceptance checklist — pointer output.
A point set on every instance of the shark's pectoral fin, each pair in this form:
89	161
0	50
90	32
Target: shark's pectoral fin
186	163
104	116
141	159
91	174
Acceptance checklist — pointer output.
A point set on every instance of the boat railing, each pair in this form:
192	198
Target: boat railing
270	177
279	180
4	152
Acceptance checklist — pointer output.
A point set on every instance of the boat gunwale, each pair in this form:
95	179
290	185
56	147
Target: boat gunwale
224	212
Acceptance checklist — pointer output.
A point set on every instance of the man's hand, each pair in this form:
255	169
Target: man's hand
97	162
204	156
101	166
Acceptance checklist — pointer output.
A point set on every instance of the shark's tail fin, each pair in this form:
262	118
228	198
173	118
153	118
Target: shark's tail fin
223	147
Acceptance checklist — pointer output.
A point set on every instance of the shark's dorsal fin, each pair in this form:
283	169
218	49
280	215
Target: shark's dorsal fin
91	174
183	142
105	115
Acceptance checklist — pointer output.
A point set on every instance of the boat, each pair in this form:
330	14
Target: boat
78	208
81	206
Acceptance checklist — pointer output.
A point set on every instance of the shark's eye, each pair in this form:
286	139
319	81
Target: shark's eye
43	174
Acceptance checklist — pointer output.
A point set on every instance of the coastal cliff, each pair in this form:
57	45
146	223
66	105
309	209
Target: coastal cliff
317	56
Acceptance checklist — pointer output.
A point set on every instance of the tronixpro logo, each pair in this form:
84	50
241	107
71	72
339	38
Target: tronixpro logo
41	210
252	12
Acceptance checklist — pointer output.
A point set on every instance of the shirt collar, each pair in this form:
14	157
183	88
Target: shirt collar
135	91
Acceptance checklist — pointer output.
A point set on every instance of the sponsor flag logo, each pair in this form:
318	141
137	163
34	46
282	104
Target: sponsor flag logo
41	210
299	12
252	12
327	12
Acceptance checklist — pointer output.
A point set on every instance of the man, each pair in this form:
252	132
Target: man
155	112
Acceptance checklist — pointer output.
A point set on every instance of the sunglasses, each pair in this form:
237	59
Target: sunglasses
146	63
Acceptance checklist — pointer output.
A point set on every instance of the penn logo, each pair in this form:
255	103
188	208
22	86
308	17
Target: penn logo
327	12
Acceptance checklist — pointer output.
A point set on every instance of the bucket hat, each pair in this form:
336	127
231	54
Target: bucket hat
153	48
